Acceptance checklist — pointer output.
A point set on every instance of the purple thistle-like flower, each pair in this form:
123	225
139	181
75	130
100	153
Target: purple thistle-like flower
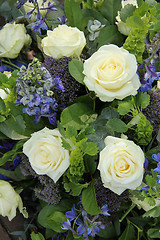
152	111
106	196
45	189
71	88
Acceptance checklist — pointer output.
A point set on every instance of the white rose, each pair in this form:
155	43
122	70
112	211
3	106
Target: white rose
111	73
9	201
121	164
13	37
64	41
46	154
122	27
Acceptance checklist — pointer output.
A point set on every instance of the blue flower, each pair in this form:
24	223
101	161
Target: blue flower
156	157
71	214
104	210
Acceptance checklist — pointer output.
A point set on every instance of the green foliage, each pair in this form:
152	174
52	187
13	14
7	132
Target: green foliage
109	9
74	188
55	221
89	200
124	107
143	131
153	233
76	70
76	168
37	236
129	233
93	14
102	129
127	11
74	14
77	115
110	35
154	212
48	211
117	125
142	100
141	23
10	155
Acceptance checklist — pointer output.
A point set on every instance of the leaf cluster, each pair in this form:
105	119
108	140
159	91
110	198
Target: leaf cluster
132	107
142	23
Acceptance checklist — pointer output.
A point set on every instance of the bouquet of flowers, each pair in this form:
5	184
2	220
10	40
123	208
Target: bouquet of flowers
80	118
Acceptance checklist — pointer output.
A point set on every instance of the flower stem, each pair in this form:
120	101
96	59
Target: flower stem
10	63
126	213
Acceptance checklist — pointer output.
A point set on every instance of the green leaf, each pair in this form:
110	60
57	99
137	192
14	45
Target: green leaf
150	181
63	206
108	35
140	2
110	8
56	220
142	99
124	107
153	233
108	113
66	145
117	125
90	163
108	233
89	200
89	148
74	14
17	124
127	11
75	189
37	236
2	105
158	136
76	70
2	118
71	132
6	130
154	212
15	175
74	115
128	234
93	14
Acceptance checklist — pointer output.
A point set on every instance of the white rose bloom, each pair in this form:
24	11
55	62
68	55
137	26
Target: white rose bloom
63	41
9	201
111	73
121	165
46	154
13	38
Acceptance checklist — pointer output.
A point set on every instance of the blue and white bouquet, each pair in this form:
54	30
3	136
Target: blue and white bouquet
80	118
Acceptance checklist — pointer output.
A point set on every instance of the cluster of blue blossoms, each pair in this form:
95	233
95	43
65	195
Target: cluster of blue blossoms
84	226
35	90
147	70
